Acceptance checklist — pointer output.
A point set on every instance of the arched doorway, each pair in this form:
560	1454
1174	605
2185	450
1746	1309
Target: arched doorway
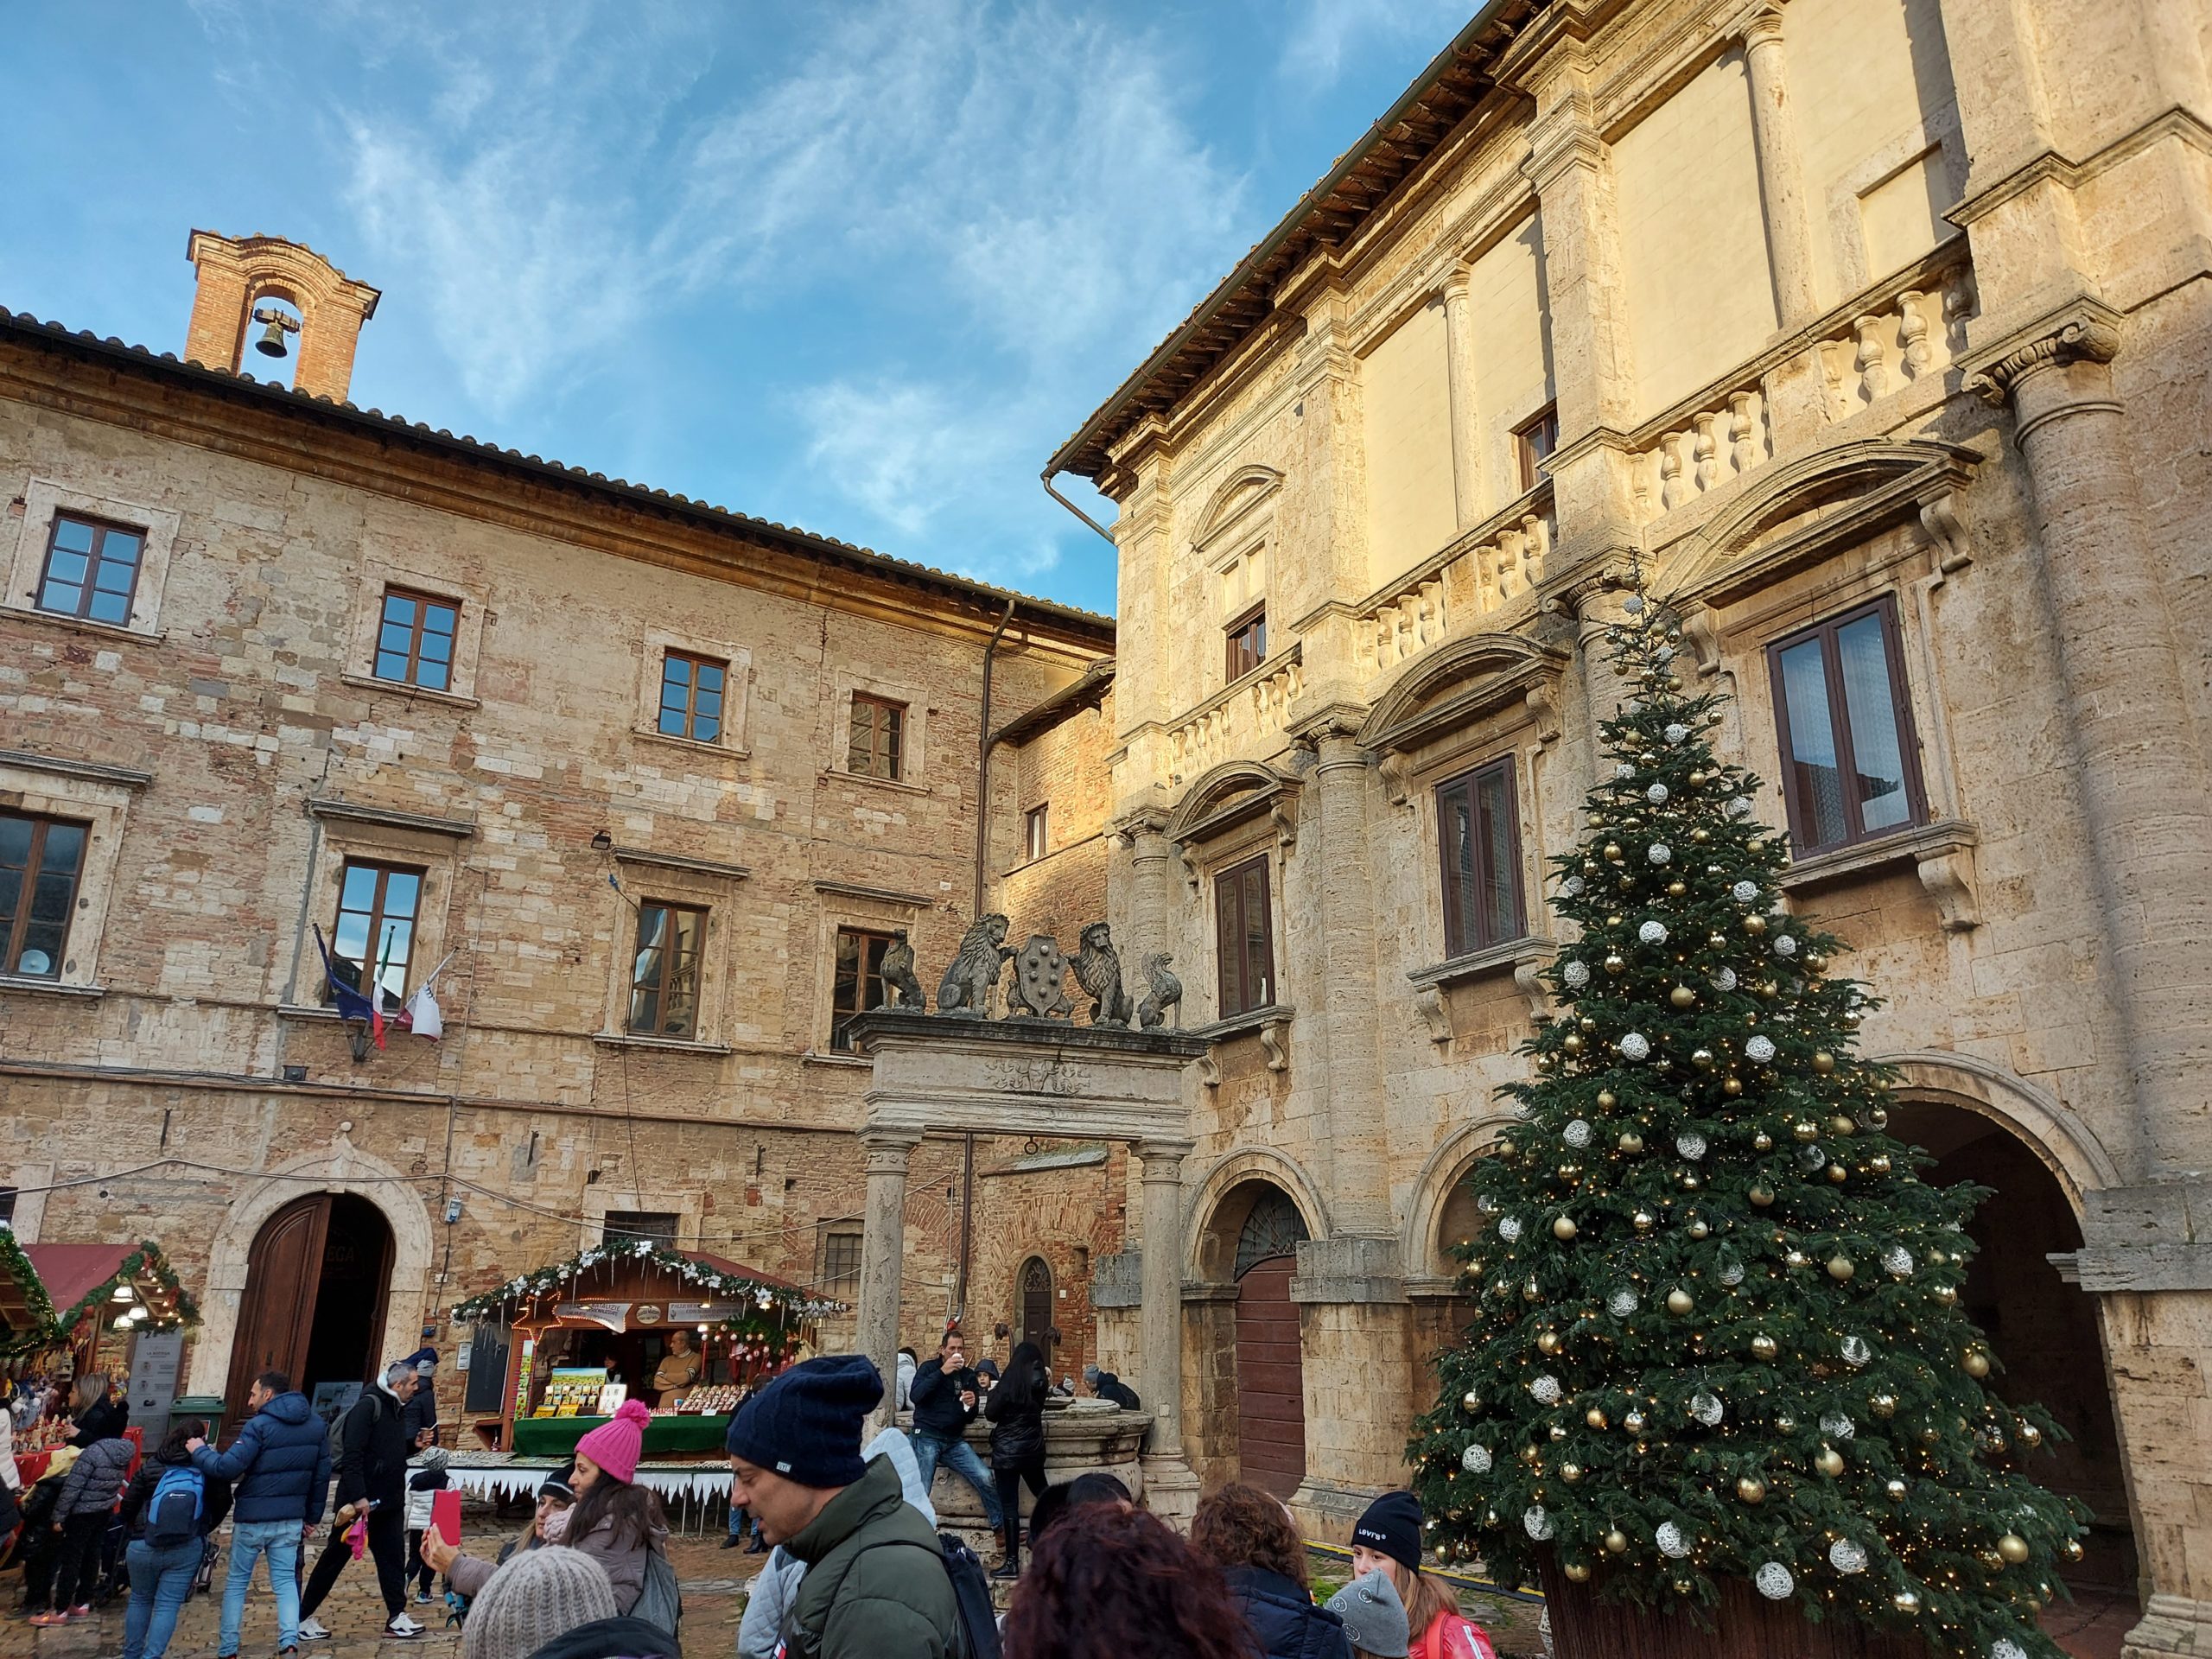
2043	1329
1270	1367
316	1287
1034	1306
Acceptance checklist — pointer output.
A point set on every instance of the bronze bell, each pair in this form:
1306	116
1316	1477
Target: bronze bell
271	343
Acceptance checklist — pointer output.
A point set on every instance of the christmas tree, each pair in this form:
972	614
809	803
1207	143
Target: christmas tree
1717	1332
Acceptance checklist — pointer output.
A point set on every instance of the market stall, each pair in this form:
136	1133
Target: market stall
103	1295
687	1333
26	1310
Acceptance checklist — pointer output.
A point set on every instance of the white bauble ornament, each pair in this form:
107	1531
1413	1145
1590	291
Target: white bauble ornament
1707	1407
1656	794
1572	886
1509	1227
1621	1303
1774	1581
1659	853
1724	980
2006	1648
1623	770
1732	1273
1672	1544
1487	1205
1576	1133
1575	975
1897	1261
1759	1050
1740	807
1676	732
1856	1352
1652	932
1847	1557
1636	1046
1837	1426
1785	944
1811	1158
1691	1145
1546	1388
1476	1459
1744	892
1633	603
1539	1523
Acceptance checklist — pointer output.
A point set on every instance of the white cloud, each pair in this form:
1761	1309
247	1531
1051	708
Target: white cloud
1324	32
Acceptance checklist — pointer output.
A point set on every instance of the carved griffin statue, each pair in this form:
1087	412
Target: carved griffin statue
1166	993
968	983
1098	970
900	988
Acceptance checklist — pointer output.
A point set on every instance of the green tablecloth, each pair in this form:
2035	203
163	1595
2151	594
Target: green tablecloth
556	1437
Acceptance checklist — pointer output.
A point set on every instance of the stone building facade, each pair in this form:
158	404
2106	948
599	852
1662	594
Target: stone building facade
649	776
1876	333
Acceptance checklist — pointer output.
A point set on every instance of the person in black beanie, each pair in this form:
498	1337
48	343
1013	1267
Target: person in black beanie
795	1454
1388	1540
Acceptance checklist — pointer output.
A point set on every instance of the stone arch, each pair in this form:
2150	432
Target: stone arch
2050	1129
1432	1188
1460	682
1215	1212
340	1168
1229	793
1237	494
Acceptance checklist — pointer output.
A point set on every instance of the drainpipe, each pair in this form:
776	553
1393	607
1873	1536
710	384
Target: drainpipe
983	841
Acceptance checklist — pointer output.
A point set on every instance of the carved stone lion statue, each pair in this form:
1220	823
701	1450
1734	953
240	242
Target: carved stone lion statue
1166	992
968	983
1098	970
902	989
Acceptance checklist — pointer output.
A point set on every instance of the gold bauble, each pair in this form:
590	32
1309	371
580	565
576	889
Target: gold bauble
1975	1364
1756	844
1470	1402
1797	1259
1754	925
1631	1141
2071	1549
1572	1043
1529	1292
1676	889
1633	1422
1883	1405
2031	1436
1643	1218
1616	1542
2014	1548
1698	1228
1947	1295
1894	1489
1612	852
1612	921
1840	1268
1701	1058
1717	941
1829	1462
1607	1100
1764	1347
1506	1150
1570	1472
1880	1117
1824	1062
1751	1492
1936	1258
1682	997
1769	990
1733	1087
1616	964
1839	1124
1697	781
1838	1173
1815	962
1762	1196
1762	1141
1563	1228
1785	1424
1595	1417
1931	1435
1679	1302
1576	1572
1879	1163
1547	1342
1531	1456
1806	1129
1559	1430
1906	1602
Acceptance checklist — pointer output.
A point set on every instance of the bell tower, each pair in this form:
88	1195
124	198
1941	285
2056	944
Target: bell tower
241	285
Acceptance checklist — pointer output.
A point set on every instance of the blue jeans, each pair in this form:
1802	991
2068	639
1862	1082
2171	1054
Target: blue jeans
958	1456
280	1539
161	1575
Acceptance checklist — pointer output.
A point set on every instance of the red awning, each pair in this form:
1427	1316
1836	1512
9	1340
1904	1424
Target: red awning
723	1264
72	1272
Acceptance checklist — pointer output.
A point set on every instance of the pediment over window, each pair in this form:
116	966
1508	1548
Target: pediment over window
1234	794
1807	511
1234	501
1469	680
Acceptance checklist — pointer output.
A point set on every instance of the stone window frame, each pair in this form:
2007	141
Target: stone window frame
824	1231
1506	765
98	796
1270	939
46	499
1036	832
647	878
837	1014
737	689
472	601
414	967
1883	608
615	1193
707	934
863	910
354	834
914	759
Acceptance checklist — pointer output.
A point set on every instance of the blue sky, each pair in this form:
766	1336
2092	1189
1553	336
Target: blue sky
857	265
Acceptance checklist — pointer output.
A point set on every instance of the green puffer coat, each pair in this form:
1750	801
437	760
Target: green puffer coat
875	1584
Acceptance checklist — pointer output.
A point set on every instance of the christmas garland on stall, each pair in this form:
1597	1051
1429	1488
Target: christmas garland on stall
563	1276
146	1260
17	1266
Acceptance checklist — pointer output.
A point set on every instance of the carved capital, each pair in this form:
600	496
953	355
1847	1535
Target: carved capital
2083	331
1760	25
889	1151
1435	1012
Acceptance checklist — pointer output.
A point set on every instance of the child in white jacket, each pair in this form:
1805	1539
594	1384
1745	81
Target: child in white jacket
422	1486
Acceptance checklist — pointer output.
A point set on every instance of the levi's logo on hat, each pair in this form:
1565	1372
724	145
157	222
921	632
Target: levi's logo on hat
783	1468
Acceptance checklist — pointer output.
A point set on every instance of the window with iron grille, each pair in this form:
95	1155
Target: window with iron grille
1850	761
1244	937
665	972
691	697
1248	643
1478	839
373	939
857	983
41	859
414	636
651	1226
92	570
879	733
840	1261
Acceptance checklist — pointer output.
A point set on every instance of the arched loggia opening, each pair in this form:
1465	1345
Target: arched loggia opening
2043	1330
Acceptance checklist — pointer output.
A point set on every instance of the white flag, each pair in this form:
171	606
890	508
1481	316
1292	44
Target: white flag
423	1016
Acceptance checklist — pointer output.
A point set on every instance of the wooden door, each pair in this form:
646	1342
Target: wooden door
276	1311
1270	1378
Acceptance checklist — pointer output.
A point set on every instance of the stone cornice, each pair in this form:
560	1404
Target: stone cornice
2081	330
386	818
91	772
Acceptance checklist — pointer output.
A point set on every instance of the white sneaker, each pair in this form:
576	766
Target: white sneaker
311	1630
403	1629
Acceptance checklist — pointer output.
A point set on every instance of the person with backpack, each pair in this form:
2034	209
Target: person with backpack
372	1453
168	1513
876	1582
279	1472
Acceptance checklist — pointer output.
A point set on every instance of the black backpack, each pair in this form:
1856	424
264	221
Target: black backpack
971	1599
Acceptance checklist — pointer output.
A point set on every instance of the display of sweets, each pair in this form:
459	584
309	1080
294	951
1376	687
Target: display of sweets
716	1400
571	1394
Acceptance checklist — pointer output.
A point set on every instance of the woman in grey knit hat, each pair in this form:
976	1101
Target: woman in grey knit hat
538	1595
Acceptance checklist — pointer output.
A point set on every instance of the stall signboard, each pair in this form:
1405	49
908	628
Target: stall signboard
522	1376
615	1316
699	1312
154	1359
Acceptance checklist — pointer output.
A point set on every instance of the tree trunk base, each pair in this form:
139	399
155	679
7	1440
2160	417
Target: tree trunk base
1745	1626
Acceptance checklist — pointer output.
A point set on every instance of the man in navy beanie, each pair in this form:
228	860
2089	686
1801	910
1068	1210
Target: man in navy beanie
795	1453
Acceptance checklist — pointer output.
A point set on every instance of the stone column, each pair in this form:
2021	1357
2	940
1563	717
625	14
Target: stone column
1171	1489
1781	172
883	1249
1357	1166
1597	607
1459	381
1152	877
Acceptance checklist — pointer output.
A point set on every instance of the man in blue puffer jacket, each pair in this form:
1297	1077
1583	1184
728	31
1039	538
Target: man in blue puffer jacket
279	1466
